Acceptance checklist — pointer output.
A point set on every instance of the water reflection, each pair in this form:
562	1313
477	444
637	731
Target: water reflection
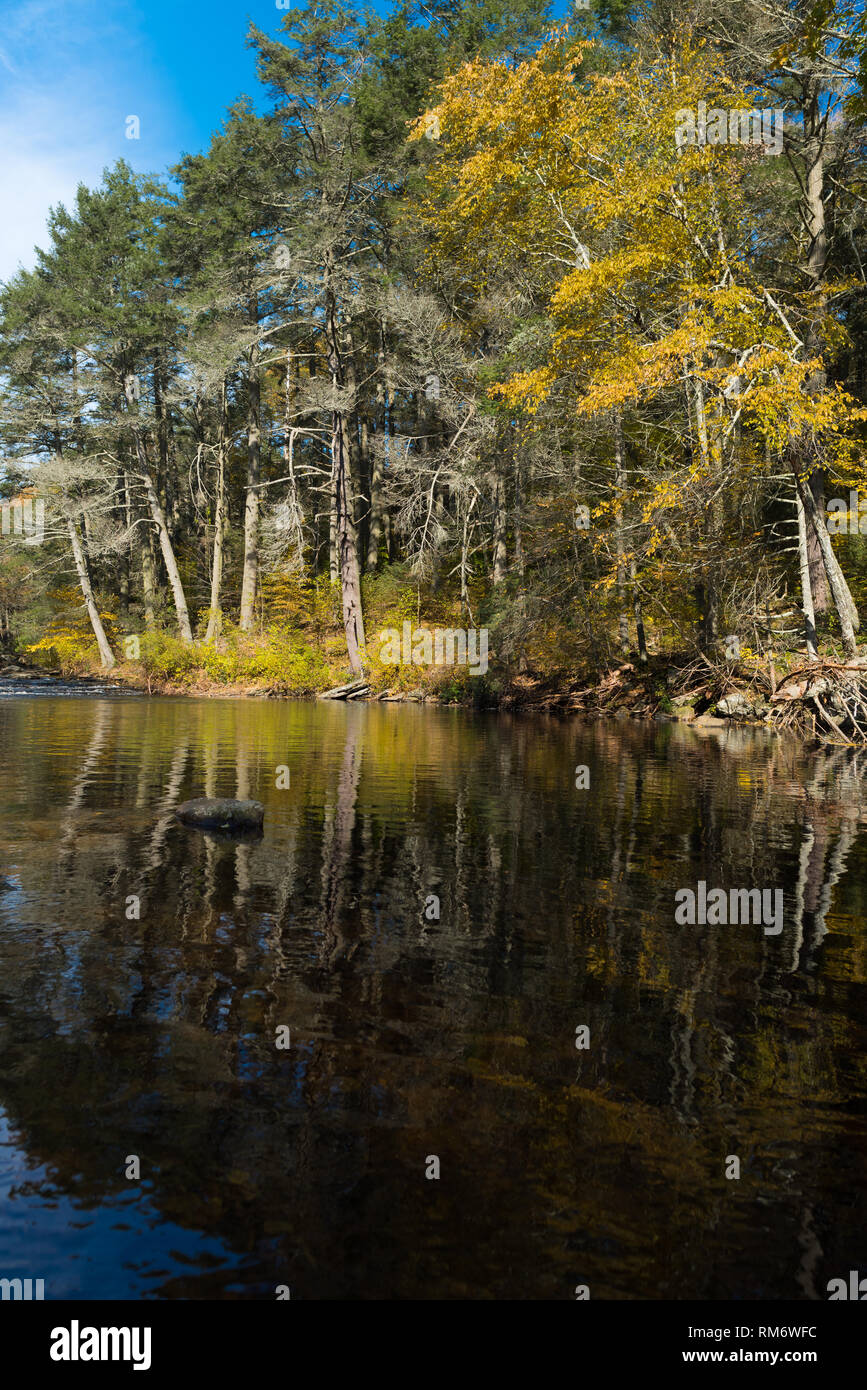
155	1034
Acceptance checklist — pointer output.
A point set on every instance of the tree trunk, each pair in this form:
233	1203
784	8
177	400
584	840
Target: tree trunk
106	655
377	469
333	561
466	610
384	412
374	527
350	583
249	584
158	516
169	560
351	446
706	590
165	479
619	489
296	514
840	577
818	579
639	618
806	582
168	553
813	205
341	494
839	588
499	572
215	616
124	574
148	581
365	469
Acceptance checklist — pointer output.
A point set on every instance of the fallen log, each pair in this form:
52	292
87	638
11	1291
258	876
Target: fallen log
343	692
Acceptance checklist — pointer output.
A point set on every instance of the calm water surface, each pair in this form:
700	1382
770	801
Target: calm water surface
410	1036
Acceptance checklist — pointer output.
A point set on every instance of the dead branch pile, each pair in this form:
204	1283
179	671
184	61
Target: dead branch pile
827	699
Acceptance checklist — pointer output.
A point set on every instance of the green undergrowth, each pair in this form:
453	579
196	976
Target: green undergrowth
299	647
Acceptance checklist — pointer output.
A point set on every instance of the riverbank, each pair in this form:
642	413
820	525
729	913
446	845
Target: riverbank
825	701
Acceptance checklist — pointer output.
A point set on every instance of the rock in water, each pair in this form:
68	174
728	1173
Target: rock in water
221	813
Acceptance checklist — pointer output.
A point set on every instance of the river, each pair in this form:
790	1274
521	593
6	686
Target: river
510	1072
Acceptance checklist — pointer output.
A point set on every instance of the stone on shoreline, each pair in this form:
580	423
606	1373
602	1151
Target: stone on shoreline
736	705
221	813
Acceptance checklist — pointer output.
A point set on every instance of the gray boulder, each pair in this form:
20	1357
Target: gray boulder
221	813
734	705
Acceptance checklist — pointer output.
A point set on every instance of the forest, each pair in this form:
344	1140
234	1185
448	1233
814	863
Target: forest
469	317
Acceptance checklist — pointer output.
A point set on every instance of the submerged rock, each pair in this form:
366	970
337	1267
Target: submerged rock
221	813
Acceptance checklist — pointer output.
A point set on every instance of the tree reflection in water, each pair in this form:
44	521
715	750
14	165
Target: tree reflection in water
306	1167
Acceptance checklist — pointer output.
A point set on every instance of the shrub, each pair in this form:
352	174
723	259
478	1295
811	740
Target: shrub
73	652
166	658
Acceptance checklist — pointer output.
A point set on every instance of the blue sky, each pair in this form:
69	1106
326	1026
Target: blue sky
72	71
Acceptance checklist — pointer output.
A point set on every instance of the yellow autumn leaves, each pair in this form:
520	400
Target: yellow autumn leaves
643	253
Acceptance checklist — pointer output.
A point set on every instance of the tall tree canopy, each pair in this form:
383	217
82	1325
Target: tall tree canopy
556	329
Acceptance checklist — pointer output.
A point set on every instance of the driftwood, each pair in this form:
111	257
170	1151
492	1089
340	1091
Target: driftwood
805	677
825	700
353	691
832	694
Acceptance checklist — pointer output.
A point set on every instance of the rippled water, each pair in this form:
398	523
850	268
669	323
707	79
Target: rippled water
412	1037
20	687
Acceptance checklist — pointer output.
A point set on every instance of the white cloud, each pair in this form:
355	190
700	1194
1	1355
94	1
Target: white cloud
37	172
76	70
